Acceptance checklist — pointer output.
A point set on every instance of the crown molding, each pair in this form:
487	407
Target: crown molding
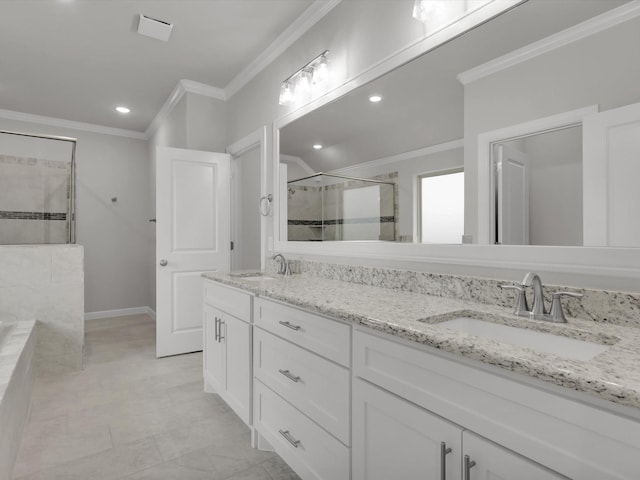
171	101
420	152
203	89
61	122
182	87
298	161
299	27
304	22
582	30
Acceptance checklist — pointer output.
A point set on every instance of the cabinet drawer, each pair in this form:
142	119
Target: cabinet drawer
307	448
319	334
314	385
228	300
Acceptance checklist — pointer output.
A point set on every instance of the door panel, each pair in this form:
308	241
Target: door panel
396	439
193	186
513	196
192	237
237	340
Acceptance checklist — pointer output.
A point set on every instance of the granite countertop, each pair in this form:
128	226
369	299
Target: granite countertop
613	375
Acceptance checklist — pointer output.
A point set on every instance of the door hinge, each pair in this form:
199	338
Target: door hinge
231	245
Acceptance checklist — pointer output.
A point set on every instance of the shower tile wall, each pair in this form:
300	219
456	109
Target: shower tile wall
34	200
315	213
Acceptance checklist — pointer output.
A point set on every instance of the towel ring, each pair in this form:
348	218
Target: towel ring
264	205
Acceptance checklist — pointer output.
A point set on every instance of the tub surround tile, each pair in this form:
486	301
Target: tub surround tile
613	375
46	283
17	345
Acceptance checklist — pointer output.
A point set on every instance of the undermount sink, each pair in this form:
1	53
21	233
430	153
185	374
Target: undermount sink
255	278
251	276
540	342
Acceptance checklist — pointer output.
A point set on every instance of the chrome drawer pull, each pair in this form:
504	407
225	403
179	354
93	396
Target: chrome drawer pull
220	337
468	465
290	325
216	329
289	438
444	451
289	375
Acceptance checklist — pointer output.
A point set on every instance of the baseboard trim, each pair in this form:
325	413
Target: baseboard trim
120	312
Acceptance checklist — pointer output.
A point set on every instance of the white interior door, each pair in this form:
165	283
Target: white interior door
192	231
611	149
513	196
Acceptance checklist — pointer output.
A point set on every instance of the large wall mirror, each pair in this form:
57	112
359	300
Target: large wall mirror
471	143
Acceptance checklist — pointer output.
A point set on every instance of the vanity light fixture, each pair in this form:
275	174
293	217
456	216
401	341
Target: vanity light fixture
375	98
437	14
317	146
299	87
123	109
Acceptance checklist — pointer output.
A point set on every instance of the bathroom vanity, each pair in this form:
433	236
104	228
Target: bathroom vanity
354	381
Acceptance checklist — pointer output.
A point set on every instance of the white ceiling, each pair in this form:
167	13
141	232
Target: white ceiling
78	59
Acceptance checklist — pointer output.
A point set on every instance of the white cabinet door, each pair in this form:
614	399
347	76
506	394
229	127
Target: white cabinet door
395	439
213	357
484	460
236	338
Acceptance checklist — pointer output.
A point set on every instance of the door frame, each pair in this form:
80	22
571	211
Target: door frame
256	139
486	181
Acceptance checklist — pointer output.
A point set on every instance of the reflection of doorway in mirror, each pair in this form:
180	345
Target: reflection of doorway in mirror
548	197
441	206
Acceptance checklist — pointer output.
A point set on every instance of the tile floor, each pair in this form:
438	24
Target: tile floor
131	416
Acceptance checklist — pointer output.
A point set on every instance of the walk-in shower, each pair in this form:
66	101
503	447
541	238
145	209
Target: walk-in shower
327	207
37	189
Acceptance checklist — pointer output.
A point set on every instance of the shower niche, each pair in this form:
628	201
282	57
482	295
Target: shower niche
329	207
37	189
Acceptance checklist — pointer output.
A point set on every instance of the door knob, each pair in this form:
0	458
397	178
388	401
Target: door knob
163	263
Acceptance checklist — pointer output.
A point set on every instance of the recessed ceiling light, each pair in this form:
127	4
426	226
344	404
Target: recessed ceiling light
123	109
317	146
375	98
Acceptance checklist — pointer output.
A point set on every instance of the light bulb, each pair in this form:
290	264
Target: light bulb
303	88
321	72
286	94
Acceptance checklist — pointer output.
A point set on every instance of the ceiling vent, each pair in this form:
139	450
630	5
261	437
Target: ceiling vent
154	28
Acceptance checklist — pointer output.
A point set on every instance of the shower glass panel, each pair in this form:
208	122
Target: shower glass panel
37	189
328	207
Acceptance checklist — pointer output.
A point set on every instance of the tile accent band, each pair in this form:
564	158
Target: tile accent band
7	215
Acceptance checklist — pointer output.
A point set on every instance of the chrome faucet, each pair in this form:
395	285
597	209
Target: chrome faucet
284	266
538	310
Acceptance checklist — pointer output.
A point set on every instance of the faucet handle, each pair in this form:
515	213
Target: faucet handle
556	314
521	304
